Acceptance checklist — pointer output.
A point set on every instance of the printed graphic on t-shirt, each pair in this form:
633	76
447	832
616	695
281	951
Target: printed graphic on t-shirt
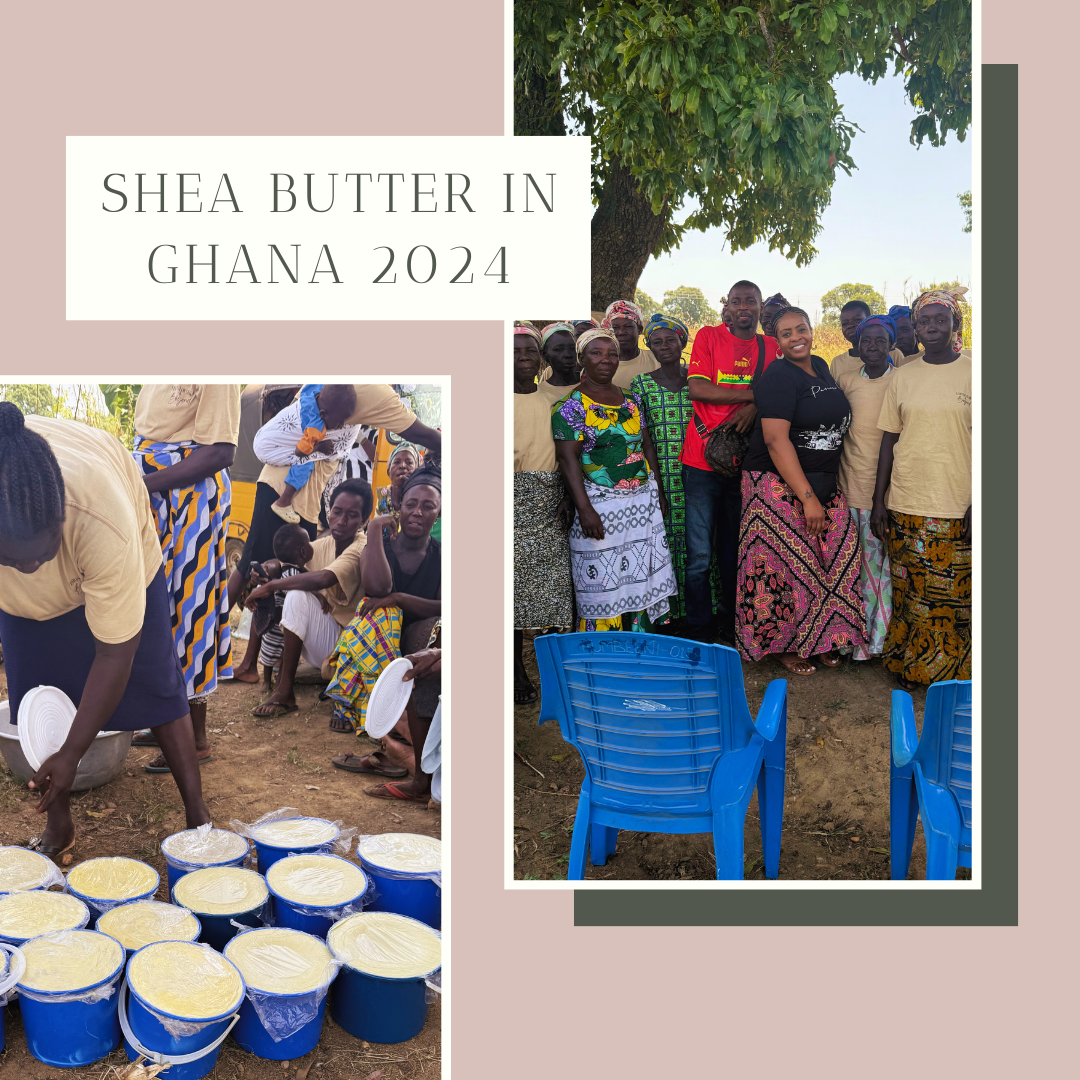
823	438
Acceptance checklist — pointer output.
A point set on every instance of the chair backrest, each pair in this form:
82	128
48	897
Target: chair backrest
649	714
945	748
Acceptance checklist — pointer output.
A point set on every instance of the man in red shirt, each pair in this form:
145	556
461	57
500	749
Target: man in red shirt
722	365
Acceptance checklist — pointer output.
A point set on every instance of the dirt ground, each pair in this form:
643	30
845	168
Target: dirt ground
258	766
836	810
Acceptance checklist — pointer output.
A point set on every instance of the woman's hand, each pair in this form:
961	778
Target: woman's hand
967	524
879	521
425	662
326	605
564	513
591	525
665	510
377	524
374	603
54	779
817	517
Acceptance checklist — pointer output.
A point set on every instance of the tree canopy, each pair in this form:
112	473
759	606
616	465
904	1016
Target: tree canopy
725	108
835	299
689	304
965	205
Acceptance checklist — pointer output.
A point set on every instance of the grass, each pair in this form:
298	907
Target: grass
839	703
293	758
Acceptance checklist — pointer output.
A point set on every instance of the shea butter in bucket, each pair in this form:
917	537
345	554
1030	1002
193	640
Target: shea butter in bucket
220	895
284	832
68	996
196	849
22	869
183	999
146	921
388	963
287	974
25	915
311	892
105	883
406	871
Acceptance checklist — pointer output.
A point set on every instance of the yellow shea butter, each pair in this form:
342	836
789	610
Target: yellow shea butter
391	946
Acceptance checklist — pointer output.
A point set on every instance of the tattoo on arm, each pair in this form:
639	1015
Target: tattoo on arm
808	494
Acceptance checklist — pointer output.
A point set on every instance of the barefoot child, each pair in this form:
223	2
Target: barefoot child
293	551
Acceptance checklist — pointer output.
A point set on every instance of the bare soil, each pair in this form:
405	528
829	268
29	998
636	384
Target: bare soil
259	765
836	810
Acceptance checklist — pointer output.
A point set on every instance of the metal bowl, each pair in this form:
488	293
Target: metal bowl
100	764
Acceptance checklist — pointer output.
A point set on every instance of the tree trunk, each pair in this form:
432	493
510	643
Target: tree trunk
625	232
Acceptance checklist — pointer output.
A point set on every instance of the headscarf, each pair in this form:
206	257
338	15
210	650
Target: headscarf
554	328
899	311
527	328
877	320
667	322
592	322
623	309
592	335
778	298
401	448
950	301
429	475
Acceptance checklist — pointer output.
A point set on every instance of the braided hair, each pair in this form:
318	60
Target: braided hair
31	484
792	310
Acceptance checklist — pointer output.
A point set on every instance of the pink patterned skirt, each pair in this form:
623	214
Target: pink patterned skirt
796	594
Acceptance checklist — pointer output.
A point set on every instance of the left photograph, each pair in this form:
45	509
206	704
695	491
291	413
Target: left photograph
220	720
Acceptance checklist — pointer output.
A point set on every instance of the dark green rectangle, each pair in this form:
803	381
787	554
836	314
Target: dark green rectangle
995	904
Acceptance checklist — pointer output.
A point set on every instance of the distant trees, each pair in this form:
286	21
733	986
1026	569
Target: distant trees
835	299
965	205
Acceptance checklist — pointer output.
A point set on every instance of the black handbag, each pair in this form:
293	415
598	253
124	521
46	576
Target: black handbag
725	447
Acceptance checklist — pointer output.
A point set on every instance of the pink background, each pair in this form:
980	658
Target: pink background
662	1001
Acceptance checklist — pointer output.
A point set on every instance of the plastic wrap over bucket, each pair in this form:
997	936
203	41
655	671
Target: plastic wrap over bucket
104	883
196	849
268	851
218	927
73	1027
415	894
296	912
12	965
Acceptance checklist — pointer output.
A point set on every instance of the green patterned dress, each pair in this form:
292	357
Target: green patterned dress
666	414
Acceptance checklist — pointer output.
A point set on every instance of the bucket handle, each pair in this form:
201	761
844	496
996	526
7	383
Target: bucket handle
18	967
165	1059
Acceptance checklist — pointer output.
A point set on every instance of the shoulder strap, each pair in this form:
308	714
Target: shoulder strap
760	357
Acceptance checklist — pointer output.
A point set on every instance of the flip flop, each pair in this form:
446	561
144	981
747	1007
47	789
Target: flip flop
280	710
342	762
165	768
830	659
50	852
523	696
792	671
342	727
144	738
392	793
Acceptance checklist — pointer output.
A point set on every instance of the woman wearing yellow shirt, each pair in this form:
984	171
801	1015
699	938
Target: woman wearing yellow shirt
84	605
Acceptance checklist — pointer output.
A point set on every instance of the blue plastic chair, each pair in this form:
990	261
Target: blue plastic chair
663	728
931	775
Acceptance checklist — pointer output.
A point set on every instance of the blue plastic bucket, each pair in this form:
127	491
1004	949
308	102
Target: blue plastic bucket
142	872
269	850
189	1057
250	1031
399	891
176	866
373	1007
66	913
217	926
70	1034
293	912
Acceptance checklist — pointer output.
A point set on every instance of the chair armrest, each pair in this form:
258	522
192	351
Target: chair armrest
773	708
904	738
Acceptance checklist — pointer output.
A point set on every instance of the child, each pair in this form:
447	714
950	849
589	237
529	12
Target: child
293	552
322	409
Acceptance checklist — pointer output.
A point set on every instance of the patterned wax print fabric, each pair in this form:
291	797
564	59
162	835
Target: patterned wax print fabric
192	523
875	585
630	570
667	414
795	594
543	588
613	455
364	648
929	636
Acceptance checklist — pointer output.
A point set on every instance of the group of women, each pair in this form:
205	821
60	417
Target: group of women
849	528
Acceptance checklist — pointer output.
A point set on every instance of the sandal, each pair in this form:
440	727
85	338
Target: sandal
346	762
830	659
524	695
339	723
276	709
201	756
395	794
144	738
797	666
49	850
907	684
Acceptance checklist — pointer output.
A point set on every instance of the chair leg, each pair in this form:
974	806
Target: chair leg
941	856
903	813
579	842
770	795
728	842
602	839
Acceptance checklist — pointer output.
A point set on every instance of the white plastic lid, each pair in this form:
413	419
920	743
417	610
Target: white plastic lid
45	716
316	880
185	980
298	832
408	853
221	890
22	869
388	698
391	946
281	961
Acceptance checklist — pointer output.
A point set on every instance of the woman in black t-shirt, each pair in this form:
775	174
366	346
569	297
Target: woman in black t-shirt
798	576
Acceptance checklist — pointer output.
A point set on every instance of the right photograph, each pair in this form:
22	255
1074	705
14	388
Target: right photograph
742	480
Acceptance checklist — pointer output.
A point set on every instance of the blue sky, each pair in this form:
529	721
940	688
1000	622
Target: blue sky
895	217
